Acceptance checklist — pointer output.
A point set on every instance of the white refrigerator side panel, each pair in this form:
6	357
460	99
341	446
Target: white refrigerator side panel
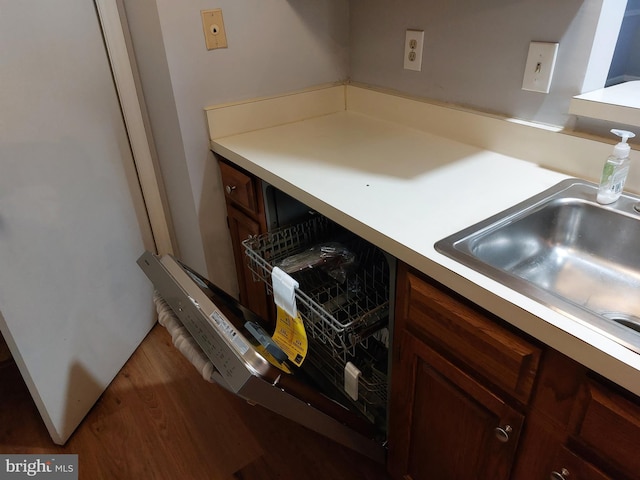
74	305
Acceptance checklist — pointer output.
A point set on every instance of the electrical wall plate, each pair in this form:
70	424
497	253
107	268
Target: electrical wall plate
413	50
214	33
541	62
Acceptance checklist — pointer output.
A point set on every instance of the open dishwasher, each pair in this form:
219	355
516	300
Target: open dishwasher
341	388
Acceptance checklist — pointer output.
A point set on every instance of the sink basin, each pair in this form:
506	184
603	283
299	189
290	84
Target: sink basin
566	251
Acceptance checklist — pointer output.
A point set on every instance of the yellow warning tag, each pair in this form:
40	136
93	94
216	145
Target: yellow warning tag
291	336
271	359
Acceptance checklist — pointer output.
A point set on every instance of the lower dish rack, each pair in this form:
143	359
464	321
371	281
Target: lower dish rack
339	315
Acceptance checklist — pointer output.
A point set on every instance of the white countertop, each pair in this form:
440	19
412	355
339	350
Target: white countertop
403	190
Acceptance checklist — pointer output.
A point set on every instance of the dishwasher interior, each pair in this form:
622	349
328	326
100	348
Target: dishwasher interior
346	304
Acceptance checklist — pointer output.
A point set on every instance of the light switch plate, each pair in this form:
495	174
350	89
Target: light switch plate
214	33
541	62
413	42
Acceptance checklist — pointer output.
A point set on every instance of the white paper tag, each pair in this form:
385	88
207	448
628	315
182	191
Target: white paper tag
284	291
351	376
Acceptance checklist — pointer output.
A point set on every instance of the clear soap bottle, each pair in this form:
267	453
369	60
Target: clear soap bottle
615	170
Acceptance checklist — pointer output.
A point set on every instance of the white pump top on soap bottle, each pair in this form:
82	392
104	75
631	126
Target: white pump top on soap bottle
616	169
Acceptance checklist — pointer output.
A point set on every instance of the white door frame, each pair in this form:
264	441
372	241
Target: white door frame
120	53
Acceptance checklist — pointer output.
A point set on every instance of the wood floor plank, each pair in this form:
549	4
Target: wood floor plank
160	420
298	453
258	470
214	426
21	428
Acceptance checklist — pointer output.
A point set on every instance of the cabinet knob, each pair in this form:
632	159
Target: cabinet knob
502	434
561	475
229	189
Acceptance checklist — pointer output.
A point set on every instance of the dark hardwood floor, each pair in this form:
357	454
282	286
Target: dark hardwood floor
160	420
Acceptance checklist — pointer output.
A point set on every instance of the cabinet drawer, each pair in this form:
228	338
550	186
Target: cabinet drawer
466	333
569	466
609	425
239	188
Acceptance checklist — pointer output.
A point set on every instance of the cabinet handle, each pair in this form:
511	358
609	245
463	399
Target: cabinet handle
229	189
502	434
561	475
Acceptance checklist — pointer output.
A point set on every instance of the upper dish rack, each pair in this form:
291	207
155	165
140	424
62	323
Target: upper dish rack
338	314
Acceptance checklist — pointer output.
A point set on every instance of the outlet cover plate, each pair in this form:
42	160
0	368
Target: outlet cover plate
214	32
413	43
541	62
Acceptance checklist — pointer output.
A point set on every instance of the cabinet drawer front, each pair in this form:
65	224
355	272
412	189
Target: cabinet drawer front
457	329
610	425
239	188
569	466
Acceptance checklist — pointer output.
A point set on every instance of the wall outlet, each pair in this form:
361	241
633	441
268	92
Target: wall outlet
413	42
214	33
541	62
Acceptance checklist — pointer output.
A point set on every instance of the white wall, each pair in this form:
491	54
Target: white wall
275	46
475	51
474	56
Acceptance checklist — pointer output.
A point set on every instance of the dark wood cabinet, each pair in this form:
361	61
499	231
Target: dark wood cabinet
579	424
467	336
607	426
446	425
462	380
569	466
246	217
545	452
458	380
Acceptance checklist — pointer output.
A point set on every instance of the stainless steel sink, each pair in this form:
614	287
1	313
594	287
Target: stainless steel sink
564	250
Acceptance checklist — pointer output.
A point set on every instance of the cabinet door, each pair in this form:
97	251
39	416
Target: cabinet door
253	294
608	425
445	425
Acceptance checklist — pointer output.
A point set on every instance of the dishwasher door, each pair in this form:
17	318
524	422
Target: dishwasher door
216	322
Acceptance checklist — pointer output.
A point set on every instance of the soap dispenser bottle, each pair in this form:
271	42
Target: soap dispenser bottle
615	170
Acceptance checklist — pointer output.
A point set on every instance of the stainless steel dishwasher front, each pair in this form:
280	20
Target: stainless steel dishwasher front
216	322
